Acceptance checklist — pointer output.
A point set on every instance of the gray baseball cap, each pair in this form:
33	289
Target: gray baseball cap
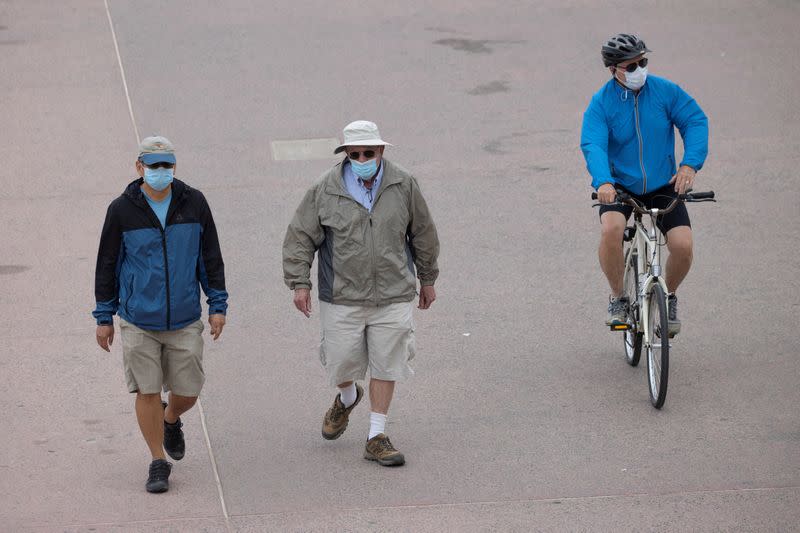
156	149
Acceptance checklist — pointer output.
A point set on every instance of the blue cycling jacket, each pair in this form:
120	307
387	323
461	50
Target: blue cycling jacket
151	276
628	138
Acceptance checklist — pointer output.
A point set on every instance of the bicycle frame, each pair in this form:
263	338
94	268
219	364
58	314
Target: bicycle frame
645	244
648	243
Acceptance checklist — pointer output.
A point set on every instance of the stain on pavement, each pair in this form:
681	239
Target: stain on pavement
490	88
12	269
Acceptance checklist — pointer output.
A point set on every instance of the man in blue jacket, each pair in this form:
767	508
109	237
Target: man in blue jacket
158	246
628	140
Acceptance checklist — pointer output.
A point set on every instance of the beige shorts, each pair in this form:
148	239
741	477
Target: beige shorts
168	360
355	338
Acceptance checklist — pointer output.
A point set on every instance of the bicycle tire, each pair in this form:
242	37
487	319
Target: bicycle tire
632	338
658	348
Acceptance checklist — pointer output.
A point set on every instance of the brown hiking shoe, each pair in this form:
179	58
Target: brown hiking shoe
335	421
379	448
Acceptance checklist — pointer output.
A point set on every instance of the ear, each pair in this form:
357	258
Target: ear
139	168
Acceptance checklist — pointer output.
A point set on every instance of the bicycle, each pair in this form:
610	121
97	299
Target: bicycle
646	289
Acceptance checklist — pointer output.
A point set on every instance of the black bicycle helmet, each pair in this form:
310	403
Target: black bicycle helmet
622	47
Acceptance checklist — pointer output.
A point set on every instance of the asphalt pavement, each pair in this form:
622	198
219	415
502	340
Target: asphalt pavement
523	414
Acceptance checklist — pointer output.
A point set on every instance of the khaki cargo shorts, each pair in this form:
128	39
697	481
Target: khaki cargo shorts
355	338
168	360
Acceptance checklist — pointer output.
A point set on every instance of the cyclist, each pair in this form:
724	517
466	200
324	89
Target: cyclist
628	141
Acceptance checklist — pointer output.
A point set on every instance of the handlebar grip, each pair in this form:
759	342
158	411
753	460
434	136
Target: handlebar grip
701	195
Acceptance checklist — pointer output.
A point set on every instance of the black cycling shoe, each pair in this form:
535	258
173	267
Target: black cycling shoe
174	444
158	479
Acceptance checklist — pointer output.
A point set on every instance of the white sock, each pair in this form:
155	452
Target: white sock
377	424
348	395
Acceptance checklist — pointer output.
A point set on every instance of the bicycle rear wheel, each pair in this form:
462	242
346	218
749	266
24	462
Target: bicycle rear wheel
658	348
630	287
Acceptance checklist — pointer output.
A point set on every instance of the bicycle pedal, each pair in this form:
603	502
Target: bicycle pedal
619	327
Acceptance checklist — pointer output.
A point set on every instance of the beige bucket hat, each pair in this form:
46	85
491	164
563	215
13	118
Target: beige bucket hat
361	133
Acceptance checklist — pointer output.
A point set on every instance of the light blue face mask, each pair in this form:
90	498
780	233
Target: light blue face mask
158	178
365	171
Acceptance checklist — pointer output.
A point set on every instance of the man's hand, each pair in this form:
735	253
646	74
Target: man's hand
302	301
427	295
606	193
683	179
217	322
105	337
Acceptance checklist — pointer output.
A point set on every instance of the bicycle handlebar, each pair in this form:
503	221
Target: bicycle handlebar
623	198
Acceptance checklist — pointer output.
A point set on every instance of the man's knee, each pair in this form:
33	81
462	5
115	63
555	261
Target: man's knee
679	242
149	399
612	229
186	401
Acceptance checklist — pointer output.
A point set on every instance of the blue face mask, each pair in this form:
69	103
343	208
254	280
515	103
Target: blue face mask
158	178
365	171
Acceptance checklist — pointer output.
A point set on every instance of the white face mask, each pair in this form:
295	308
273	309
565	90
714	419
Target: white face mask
635	80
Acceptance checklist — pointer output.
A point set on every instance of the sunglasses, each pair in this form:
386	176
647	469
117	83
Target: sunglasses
369	154
160	164
641	63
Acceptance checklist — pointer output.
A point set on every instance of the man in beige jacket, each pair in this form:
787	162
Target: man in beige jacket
367	220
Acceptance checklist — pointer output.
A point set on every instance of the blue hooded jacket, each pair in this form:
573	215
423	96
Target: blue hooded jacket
151	276
628	138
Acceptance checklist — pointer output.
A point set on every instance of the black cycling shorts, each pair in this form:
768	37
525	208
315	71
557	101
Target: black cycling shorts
658	199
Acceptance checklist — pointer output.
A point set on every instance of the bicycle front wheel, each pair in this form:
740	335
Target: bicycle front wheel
658	348
630	287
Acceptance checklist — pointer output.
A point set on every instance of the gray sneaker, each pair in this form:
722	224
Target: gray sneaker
674	322
617	311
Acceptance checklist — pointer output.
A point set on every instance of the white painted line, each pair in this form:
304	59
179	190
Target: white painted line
122	71
214	465
304	149
199	404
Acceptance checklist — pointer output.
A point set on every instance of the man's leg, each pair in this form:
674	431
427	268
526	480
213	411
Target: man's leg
141	355
390	343
343	354
177	406
613	263
380	395
174	441
679	243
610	251
348	393
183	372
150	415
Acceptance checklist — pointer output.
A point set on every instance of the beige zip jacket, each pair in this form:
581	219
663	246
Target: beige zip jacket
364	258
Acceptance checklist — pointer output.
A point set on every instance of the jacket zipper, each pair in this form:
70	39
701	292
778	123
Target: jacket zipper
154	219
166	270
372	242
641	142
